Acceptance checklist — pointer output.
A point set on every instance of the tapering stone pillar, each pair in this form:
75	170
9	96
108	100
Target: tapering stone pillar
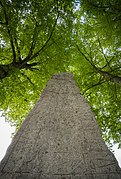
59	139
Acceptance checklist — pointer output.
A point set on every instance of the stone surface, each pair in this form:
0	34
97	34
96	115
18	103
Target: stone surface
59	139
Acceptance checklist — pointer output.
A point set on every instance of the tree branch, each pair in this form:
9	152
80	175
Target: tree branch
33	42
27	78
94	85
111	77
27	59
107	75
9	33
18	49
85	56
104	54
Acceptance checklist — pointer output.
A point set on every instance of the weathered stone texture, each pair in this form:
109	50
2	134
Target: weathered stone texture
59	139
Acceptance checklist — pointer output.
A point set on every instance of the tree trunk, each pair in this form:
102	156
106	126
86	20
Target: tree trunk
59	139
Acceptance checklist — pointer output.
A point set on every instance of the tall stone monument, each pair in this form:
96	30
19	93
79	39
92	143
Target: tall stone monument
59	139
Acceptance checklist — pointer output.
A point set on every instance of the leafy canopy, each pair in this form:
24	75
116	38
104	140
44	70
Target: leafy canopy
40	38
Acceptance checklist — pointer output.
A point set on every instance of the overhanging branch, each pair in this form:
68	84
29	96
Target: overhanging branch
27	59
104	54
94	85
28	78
107	75
33	42
17	48
9	33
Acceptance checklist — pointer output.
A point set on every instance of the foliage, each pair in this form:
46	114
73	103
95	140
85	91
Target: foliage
33	47
40	38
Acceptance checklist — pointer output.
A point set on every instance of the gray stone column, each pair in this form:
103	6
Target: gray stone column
59	139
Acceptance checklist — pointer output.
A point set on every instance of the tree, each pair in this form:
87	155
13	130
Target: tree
98	64
59	139
27	29
33	35
39	39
